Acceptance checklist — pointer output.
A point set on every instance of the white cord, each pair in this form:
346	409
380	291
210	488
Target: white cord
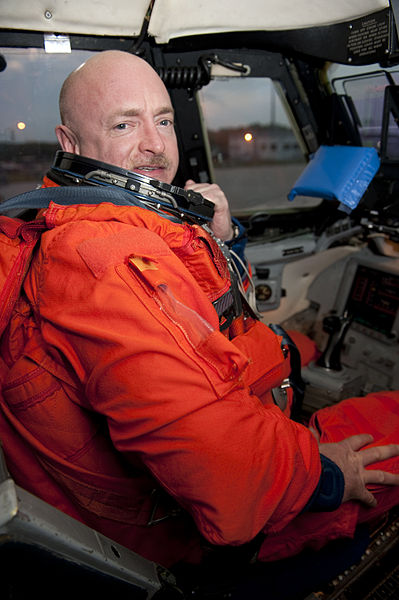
250	293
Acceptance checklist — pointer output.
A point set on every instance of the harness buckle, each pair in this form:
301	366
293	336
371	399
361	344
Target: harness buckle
280	395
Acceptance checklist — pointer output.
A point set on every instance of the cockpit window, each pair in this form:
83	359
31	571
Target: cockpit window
29	86
256	157
366	93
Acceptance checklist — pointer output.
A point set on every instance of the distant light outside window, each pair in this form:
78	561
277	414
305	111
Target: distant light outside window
29	88
256	157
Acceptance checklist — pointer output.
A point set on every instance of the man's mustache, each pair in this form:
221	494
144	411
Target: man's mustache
157	162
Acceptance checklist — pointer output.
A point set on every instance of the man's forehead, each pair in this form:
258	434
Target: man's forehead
134	111
131	93
121	76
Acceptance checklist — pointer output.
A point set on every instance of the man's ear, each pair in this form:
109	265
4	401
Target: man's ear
67	139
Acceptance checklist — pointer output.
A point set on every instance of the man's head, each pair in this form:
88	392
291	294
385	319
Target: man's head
115	108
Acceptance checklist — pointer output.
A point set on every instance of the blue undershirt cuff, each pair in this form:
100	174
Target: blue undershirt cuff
330	489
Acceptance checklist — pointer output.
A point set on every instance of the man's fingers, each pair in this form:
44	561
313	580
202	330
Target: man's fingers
369	499
380	477
352	459
378	453
202	188
211	191
358	441
221	221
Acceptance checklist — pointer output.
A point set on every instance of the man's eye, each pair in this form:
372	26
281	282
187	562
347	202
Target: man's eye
121	126
166	122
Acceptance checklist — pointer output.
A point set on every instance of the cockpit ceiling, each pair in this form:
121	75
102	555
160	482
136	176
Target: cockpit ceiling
171	19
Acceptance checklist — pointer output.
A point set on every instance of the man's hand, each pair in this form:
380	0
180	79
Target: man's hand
221	222
352	461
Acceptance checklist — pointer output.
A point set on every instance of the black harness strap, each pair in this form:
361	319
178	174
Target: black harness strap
295	378
66	195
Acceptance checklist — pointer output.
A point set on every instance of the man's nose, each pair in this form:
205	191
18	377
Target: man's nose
151	139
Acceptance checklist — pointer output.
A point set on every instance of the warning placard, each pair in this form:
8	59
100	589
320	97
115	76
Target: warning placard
368	38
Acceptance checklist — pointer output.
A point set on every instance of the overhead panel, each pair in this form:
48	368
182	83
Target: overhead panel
178	18
85	17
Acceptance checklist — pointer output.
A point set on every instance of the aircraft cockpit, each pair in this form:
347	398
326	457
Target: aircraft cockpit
293	109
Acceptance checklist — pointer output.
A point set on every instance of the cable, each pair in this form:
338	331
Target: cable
181	77
250	293
195	76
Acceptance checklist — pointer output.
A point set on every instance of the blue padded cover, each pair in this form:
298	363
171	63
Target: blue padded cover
340	173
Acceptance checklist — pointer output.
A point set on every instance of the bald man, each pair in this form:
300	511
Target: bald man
115	108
